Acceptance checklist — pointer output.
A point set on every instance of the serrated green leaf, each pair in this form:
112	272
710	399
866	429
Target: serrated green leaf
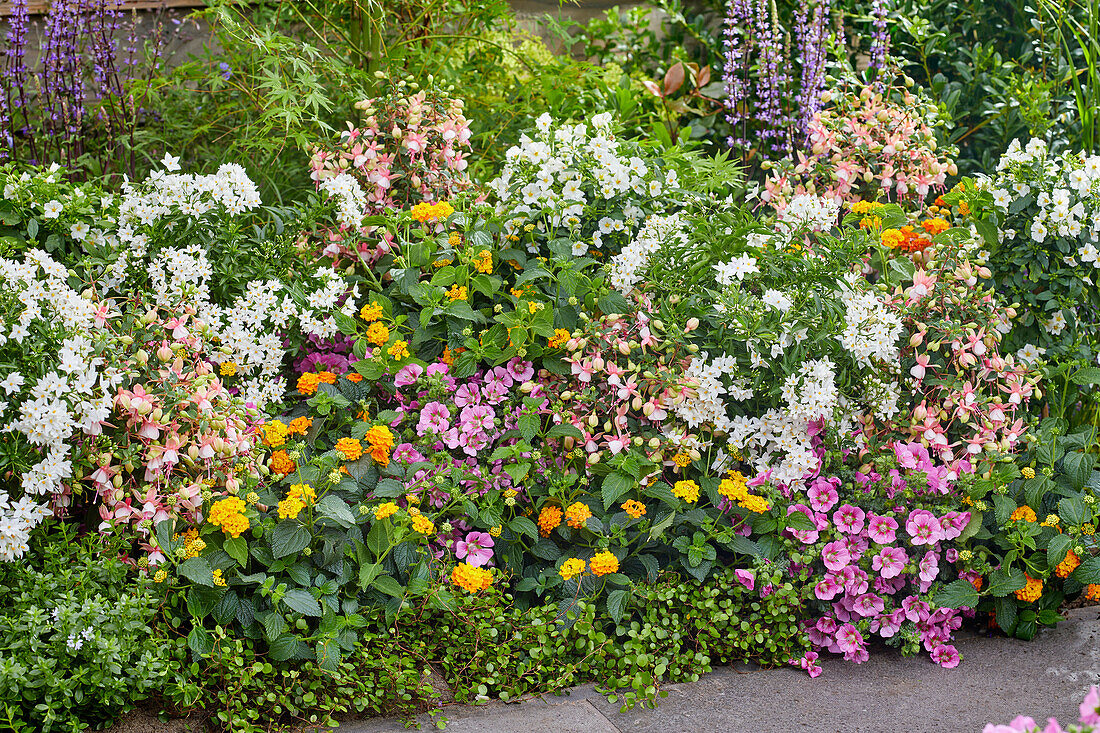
288	537
614	486
957	594
302	601
197	570
616	603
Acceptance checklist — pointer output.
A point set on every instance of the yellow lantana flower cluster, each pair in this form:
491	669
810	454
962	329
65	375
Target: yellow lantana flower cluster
483	261
350	447
571	568
228	514
604	563
471	579
560	337
686	490
549	519
577	514
371	312
734	487
385	510
425	212
378	334
275	433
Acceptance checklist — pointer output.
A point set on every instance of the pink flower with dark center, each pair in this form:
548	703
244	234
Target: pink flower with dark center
745	578
881	529
835	556
915	609
868	604
407	375
948	657
467	394
854	579
827	589
477	549
520	370
923	527
849	519
477	417
929	566
435	418
822	493
848	638
890	562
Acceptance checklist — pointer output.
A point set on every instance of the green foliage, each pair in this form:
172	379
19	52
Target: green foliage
77	647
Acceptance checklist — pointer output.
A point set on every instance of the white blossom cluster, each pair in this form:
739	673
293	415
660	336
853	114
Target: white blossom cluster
17	519
351	201
871	330
627	268
568	175
1066	192
813	213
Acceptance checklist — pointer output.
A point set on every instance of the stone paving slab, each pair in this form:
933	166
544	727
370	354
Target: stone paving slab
998	679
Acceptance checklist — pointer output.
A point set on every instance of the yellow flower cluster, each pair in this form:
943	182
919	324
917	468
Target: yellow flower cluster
1024	513
1067	565
865	207
399	350
303	492
378	334
604	563
483	261
307	383
571	568
558	339
380	440
385	510
455	239
577	514
228	514
686	490
275	433
227	368
218	579
424	213
634	508
350	447
1052	520
549	519
682	459
442	262
192	544
296	500
457	292
160	576
870	222
892	238
470	578
935	226
735	488
1032	591
422	524
371	312
1028	472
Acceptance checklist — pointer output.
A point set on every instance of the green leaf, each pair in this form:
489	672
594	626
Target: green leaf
302	601
746	546
1002	582
524	526
1006	611
200	641
1058	549
1088	571
389	488
529	426
1087	375
1078	468
957	594
1003	508
799	521
388	585
1035	489
1073	511
616	603
237	547
228	608
378	539
518	471
337	510
328	654
197	570
613	302
287	646
367	574
614	486
289	537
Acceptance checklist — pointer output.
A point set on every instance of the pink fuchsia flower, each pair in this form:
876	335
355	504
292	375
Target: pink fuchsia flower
745	578
823	494
835	556
946	656
890	562
849	519
923	527
477	549
881	529
868	604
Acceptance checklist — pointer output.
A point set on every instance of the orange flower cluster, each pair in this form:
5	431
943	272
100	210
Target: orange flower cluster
1032	591
281	463
299	425
549	519
904	239
350	447
1067	565
380	440
560	337
307	383
378	334
483	261
634	508
424	213
1025	513
577	514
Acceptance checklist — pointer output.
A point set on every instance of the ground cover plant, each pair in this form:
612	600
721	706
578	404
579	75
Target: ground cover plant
646	388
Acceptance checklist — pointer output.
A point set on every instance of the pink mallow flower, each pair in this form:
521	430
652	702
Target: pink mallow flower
849	519
881	529
822	493
890	562
946	656
476	550
835	556
923	527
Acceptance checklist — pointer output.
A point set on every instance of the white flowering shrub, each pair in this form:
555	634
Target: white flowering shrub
1040	216
577	189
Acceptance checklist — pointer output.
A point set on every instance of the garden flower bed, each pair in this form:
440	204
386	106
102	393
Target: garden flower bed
604	409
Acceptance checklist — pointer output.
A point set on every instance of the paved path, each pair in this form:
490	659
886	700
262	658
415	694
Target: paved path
997	680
